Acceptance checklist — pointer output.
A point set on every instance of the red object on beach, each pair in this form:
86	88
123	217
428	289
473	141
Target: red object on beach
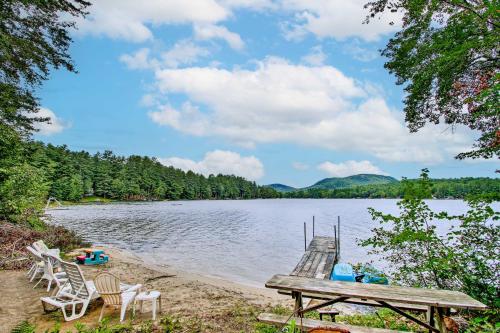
80	258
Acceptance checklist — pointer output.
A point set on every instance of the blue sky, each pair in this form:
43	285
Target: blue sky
288	91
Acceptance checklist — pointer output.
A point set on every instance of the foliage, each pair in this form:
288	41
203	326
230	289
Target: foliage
24	327
34	38
14	238
22	195
446	55
440	189
464	257
73	176
485	324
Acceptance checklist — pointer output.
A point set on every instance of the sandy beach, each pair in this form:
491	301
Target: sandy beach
201	303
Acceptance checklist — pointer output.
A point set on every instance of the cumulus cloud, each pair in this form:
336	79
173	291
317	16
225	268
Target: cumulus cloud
138	60
54	126
220	162
129	19
349	168
184	52
283	102
316	57
337	19
212	31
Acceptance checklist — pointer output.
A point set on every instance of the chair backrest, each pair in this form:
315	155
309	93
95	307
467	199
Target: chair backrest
75	279
50	263
108	286
34	252
40	246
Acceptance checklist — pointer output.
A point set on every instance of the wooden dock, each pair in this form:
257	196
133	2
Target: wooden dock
318	260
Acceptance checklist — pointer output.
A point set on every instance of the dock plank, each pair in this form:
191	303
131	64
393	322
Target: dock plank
318	260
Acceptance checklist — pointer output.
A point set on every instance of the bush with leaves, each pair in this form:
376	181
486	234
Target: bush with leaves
465	257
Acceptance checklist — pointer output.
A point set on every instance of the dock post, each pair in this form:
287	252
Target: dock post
305	237
313	226
338	235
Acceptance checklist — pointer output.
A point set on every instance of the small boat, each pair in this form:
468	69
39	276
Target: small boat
343	272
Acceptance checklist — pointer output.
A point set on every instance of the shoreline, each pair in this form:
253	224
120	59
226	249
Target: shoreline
191	298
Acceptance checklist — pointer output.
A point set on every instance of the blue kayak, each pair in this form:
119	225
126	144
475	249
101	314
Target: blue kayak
343	272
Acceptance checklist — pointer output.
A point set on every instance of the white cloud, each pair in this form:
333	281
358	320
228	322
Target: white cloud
316	57
212	31
220	162
129	19
338	19
300	166
183	52
54	126
282	102
138	60
349	168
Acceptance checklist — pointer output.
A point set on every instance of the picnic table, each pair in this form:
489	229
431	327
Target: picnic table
438	302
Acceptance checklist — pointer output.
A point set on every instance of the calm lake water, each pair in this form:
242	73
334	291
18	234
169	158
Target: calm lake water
245	241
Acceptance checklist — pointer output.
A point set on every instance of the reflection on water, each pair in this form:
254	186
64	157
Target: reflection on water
246	241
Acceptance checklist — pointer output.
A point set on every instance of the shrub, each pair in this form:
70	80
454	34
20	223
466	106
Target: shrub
465	258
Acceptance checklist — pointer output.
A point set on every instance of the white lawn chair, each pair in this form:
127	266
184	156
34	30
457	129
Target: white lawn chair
114	293
41	247
36	263
75	293
48	272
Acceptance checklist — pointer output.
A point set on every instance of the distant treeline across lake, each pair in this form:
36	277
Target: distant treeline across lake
455	188
72	176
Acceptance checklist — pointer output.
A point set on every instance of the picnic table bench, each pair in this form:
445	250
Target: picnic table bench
438	302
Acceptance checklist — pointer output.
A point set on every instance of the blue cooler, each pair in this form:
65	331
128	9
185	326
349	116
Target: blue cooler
343	272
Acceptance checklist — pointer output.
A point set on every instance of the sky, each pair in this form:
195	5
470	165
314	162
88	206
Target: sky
277	91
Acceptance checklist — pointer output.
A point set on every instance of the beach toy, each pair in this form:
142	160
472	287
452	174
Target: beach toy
92	257
343	272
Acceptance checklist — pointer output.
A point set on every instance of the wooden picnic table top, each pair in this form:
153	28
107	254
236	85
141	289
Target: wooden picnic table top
376	292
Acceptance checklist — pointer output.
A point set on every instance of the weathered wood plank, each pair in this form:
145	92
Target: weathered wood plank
359	301
273	319
429	297
318	260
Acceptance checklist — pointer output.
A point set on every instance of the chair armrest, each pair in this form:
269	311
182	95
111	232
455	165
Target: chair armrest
129	288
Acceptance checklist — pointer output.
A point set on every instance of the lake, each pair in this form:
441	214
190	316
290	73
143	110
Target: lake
246	241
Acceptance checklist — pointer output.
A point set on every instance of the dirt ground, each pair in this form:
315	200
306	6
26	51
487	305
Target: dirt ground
202	304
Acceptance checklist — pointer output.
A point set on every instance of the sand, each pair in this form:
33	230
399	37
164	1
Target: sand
200	303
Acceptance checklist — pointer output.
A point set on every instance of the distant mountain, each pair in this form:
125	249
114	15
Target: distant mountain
352	181
281	187
340	182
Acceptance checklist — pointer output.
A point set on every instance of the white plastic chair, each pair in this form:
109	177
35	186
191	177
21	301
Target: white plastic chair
49	274
114	293
75	294
36	263
41	247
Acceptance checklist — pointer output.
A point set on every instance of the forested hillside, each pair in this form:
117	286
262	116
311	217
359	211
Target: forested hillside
73	175
441	189
352	181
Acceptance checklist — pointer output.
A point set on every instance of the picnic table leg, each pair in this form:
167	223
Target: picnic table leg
430	316
298	300
440	320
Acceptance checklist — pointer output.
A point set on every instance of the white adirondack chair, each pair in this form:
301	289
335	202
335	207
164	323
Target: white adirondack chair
36	263
48	272
114	293
75	294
